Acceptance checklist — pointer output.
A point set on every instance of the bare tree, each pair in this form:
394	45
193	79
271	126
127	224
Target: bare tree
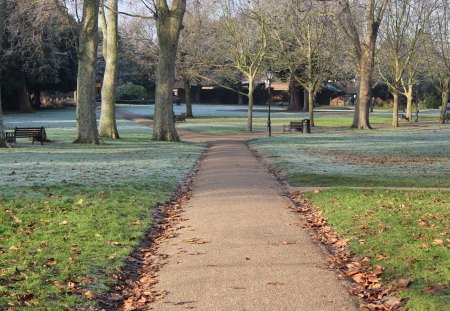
305	37
109	25
191	48
168	22
138	50
240	45
33	43
363	33
439	53
402	31
87	132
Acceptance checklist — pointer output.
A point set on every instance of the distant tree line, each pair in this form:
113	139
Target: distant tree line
54	45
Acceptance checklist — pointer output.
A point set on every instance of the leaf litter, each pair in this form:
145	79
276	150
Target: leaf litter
365	280
134	287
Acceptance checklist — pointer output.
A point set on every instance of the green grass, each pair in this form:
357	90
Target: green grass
323	120
405	157
402	232
219	125
73	213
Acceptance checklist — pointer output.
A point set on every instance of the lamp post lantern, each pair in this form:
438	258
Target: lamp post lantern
269	74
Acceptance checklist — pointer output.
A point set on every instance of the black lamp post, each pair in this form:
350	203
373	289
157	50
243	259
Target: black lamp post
269	74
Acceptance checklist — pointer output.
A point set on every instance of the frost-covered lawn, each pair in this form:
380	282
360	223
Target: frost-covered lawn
70	214
405	157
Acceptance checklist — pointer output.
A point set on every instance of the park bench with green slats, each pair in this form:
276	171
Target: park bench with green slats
294	125
33	133
181	117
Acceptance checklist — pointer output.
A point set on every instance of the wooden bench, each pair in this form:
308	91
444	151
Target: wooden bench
34	133
294	125
181	117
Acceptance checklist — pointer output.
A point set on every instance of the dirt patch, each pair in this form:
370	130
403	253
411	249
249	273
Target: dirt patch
355	158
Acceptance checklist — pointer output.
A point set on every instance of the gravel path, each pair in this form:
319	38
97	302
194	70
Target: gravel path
238	246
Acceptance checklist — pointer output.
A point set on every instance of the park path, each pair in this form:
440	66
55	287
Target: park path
239	247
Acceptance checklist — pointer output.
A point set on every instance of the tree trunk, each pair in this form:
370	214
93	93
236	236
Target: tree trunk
240	95
37	99
294	96
361	117
395	109
250	105
444	97
188	95
24	101
409	102
198	93
168	24
364	55
87	57
3	143
305	100
311	105
108	125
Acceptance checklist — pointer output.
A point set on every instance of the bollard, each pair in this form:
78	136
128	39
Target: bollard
306	126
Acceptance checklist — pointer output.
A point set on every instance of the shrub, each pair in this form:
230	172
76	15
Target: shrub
130	91
431	100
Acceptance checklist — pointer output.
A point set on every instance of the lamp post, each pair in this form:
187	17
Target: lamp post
269	74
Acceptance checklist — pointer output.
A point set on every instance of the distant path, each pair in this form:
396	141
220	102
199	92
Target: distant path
239	247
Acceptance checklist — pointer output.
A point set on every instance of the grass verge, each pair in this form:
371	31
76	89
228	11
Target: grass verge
406	232
70	214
